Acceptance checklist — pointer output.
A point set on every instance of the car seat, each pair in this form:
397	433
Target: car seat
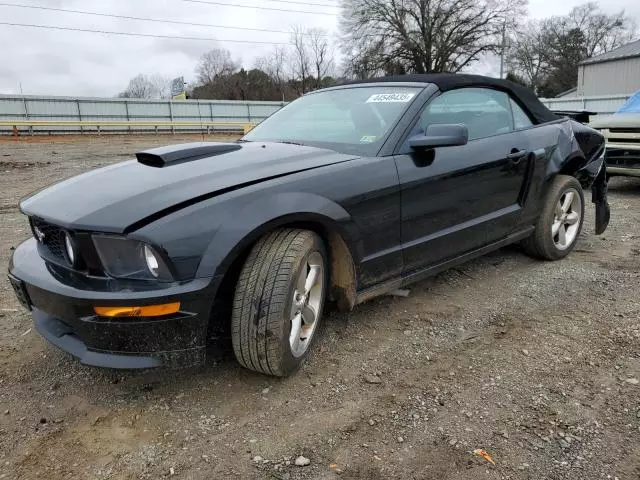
365	121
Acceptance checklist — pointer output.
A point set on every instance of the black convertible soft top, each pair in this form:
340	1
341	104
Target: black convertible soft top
451	81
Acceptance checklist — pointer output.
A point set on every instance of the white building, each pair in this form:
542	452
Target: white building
613	73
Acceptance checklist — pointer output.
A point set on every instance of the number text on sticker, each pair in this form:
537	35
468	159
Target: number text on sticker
390	97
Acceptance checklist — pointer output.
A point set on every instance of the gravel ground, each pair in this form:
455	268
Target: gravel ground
537	363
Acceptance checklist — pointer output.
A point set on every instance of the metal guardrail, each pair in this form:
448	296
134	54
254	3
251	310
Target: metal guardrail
47	114
17	127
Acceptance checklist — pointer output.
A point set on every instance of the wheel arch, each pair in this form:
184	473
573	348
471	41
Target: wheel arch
574	166
234	240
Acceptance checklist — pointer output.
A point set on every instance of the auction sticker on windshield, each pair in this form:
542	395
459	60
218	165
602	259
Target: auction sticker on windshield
390	97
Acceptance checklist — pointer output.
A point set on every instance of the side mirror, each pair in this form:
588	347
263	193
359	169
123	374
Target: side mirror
442	135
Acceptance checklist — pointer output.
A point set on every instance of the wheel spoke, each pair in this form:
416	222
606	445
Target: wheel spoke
572	218
568	200
307	303
562	235
559	209
296	326
555	227
312	278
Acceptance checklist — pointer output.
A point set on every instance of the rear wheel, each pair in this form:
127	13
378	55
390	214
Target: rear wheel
560	222
278	301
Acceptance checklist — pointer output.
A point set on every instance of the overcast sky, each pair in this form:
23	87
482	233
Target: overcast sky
90	64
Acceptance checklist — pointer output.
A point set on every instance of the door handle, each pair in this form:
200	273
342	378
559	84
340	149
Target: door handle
516	155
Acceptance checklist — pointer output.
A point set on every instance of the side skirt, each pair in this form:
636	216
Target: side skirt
396	283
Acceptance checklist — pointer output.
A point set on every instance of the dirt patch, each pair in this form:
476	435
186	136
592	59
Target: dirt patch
11	165
534	362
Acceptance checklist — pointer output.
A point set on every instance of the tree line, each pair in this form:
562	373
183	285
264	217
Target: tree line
387	37
545	55
283	74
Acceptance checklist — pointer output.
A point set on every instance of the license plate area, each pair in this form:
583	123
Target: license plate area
20	291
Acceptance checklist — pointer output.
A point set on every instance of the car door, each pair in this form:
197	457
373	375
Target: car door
456	199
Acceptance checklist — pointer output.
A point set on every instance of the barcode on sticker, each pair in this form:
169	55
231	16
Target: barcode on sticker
390	97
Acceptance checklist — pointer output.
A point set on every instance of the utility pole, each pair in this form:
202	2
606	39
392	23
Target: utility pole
504	45
24	102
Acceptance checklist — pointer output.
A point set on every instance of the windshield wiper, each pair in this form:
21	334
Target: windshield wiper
289	142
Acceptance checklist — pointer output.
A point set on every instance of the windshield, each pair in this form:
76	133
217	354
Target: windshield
350	120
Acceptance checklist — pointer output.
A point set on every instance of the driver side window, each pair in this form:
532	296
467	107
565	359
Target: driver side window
484	111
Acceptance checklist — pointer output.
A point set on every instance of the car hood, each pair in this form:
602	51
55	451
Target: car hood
113	198
619	120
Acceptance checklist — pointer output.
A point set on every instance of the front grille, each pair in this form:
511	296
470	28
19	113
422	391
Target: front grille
622	157
625	130
52	248
623	140
51	239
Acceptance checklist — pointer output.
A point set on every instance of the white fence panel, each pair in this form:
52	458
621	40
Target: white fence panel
604	104
26	108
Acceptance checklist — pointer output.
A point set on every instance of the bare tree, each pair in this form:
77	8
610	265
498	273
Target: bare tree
140	86
161	84
527	55
320	52
423	36
547	53
602	32
300	58
215	64
363	59
275	64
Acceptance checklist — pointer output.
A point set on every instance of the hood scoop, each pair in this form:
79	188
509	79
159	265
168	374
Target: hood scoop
184	152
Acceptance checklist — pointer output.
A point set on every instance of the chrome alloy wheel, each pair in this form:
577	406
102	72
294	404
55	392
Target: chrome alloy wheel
566	221
307	299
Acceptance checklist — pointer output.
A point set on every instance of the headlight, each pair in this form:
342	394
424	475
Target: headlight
70	249
152	261
126	258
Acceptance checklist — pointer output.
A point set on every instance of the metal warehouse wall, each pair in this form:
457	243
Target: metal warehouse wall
609	78
31	107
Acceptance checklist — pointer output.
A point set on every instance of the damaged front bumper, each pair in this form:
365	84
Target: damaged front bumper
62	304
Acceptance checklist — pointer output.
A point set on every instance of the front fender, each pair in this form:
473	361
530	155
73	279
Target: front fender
240	228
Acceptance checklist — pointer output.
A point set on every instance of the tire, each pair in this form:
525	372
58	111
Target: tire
270	301
546	242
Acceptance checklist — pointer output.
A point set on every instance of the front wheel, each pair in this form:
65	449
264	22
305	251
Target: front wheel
278	301
560	222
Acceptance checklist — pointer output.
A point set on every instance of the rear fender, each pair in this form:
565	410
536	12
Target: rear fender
564	158
568	158
578	153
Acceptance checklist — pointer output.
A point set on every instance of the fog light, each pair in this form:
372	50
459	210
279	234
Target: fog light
68	245
152	261
141	311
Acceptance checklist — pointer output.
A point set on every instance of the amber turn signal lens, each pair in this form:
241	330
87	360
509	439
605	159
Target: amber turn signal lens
141	311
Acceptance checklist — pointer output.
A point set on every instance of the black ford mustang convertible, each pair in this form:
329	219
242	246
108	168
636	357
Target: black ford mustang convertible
345	194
